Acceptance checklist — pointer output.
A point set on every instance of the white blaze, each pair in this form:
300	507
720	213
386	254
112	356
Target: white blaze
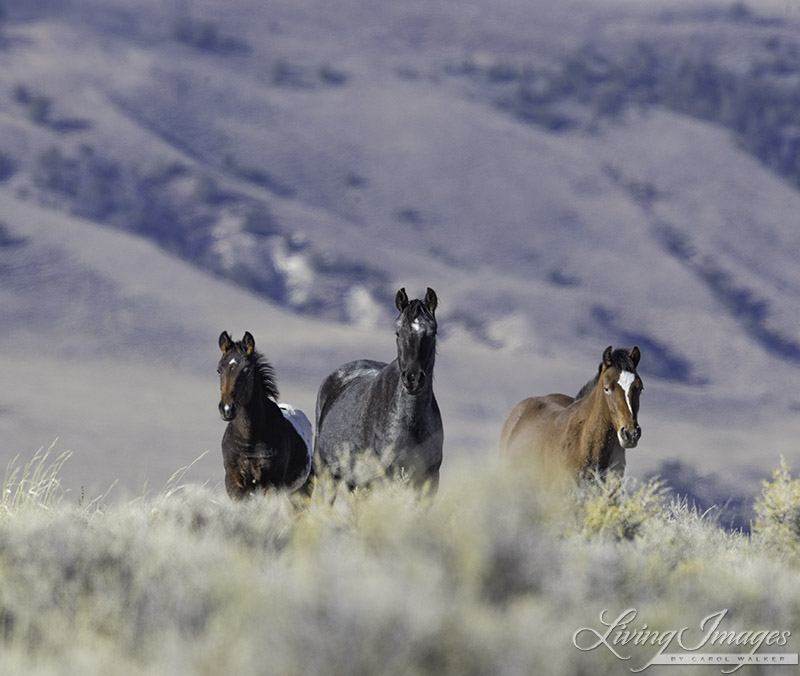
625	381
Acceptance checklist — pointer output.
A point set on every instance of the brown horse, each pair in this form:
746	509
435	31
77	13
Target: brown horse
585	434
266	445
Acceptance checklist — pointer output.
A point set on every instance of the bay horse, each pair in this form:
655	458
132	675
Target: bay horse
266	445
585	434
375	419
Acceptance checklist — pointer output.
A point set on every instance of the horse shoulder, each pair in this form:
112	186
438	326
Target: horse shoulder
341	380
436	413
364	370
540	427
580	434
523	426
433	430
559	401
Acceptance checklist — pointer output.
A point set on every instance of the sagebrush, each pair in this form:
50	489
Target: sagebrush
493	576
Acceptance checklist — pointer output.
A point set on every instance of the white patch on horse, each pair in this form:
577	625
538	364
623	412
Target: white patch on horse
232	362
302	425
625	381
417	326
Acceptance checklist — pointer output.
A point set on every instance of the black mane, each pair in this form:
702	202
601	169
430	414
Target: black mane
620	359
266	375
417	309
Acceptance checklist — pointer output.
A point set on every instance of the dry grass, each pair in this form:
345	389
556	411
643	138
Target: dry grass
35	484
494	576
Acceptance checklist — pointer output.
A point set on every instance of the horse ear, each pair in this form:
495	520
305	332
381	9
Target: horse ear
607	354
249	342
225	342
431	300
636	355
401	300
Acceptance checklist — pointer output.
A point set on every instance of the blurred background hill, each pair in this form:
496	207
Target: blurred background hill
565	177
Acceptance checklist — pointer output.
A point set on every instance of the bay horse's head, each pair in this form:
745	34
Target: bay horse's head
236	368
621	389
416	340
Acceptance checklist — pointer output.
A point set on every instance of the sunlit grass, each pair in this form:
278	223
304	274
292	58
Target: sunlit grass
34	484
492	576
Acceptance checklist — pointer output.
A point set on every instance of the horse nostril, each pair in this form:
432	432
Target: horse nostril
413	379
630	435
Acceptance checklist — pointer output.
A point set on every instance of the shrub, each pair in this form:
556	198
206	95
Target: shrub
493	576
777	524
606	509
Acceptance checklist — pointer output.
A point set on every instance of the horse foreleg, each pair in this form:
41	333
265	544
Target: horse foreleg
234	486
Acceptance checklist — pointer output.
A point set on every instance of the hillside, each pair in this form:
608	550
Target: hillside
559	179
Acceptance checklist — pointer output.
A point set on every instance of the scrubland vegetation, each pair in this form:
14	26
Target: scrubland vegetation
495	576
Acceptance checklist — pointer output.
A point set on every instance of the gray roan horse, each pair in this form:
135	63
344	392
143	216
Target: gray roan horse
585	434
266	445
376	419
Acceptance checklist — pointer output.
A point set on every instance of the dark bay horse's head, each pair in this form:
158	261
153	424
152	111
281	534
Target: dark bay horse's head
416	340
622	387
236	370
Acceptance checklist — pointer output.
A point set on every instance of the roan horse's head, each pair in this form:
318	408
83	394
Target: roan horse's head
416	340
236	370
621	389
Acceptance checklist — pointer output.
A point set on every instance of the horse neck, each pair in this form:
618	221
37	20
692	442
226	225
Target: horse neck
258	415
405	402
597	426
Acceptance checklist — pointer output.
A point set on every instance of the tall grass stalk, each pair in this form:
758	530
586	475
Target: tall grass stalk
35	484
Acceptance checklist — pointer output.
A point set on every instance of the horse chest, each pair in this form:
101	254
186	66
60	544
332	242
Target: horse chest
252	463
580	442
248	473
409	424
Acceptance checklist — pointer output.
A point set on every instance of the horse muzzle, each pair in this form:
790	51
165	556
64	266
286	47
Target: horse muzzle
629	436
227	411
413	381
